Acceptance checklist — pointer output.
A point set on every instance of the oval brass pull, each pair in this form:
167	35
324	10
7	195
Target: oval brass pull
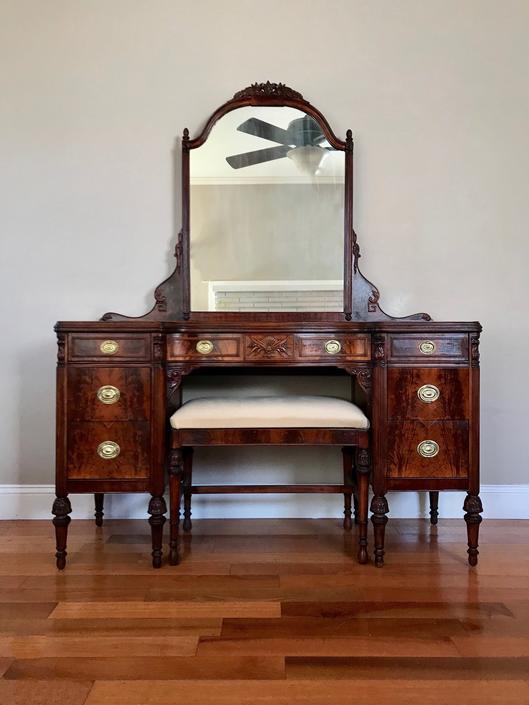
108	450
204	347
333	347
427	347
428	393
109	347
108	394
428	449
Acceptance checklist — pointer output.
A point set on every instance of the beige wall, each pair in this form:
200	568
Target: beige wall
94	93
264	232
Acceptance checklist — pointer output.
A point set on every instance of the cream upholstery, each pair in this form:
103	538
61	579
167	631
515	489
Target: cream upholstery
269	412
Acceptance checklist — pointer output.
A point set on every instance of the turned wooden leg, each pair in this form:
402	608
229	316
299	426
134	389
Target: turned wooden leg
61	509
472	508
157	509
379	507
188	484
99	500
175	476
362	479
434	507
347	454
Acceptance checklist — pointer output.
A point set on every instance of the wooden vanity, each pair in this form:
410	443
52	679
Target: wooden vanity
118	379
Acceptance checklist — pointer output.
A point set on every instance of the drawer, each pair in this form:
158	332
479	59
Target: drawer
425	348
124	445
428	393
329	346
100	346
221	347
268	347
445	445
108	393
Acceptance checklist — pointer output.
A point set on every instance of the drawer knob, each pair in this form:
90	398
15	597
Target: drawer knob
427	347
204	347
109	347
108	394
428	393
333	347
108	450
428	449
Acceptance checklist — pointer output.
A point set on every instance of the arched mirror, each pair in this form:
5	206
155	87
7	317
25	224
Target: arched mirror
266	207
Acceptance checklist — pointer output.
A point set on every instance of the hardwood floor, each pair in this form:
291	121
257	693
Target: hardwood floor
272	612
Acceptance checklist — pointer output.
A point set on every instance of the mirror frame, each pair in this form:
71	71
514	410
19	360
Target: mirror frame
273	95
173	295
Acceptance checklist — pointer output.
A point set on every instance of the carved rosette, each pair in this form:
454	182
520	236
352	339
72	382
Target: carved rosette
157	347
474	351
363	460
268	90
379	352
176	463
269	346
61	348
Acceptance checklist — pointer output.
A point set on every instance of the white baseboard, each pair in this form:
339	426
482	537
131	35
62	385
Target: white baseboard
35	501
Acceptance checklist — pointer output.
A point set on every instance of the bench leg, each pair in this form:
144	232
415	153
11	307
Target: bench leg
188	484
175	477
348	481
362	479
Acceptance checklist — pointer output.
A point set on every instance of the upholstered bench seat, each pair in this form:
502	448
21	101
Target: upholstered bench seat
269	412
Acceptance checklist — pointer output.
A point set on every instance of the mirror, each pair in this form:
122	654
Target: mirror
266	214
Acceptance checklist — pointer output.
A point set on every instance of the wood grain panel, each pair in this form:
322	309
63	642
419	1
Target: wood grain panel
404	461
404	403
133	438
134	384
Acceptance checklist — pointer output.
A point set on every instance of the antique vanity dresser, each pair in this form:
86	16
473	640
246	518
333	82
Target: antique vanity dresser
266	279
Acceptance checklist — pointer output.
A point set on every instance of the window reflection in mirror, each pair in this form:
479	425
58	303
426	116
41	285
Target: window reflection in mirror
266	215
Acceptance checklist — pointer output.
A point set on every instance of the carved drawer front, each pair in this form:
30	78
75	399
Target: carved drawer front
429	449
226	347
428	393
329	346
108	393
425	348
269	347
109	346
116	450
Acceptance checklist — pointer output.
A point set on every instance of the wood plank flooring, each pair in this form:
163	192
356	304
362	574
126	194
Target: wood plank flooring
264	612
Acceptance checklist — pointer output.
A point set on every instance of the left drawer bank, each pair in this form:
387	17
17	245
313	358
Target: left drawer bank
111	419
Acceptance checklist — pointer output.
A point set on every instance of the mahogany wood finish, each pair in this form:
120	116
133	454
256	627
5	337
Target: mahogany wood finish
147	359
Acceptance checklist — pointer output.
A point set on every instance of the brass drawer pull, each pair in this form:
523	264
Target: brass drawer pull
109	347
428	449
333	347
108	394
427	347
204	347
108	450
428	393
